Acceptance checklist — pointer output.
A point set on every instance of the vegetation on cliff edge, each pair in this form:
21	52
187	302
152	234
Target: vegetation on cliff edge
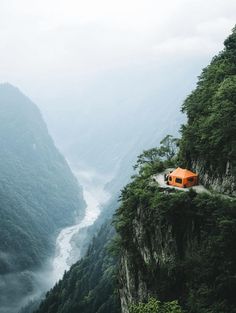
209	135
203	228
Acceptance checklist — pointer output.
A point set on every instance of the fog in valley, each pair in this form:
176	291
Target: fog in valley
109	79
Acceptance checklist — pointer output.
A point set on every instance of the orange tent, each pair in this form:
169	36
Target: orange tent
182	178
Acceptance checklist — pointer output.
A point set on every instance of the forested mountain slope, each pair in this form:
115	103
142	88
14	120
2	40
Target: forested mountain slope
208	139
180	245
38	194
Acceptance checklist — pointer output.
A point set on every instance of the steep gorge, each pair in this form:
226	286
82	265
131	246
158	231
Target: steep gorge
171	245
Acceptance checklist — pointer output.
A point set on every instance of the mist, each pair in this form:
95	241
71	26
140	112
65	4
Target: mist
92	67
109	78
66	48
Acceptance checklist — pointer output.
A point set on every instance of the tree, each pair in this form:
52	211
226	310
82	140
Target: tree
169	147
148	157
155	306
155	158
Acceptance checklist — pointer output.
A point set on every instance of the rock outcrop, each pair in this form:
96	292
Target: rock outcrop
153	248
222	183
138	271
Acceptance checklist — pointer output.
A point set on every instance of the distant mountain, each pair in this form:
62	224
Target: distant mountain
38	195
121	113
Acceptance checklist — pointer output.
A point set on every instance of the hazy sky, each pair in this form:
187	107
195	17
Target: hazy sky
46	45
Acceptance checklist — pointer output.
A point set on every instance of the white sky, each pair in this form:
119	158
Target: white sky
47	43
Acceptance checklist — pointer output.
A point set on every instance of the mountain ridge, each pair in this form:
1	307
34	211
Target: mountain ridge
38	195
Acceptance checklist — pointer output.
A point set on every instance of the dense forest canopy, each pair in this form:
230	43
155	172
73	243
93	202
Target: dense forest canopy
209	134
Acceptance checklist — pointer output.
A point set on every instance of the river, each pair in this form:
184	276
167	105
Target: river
67	252
95	196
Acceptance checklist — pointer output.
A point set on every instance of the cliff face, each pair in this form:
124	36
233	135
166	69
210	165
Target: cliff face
155	249
176	246
224	182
